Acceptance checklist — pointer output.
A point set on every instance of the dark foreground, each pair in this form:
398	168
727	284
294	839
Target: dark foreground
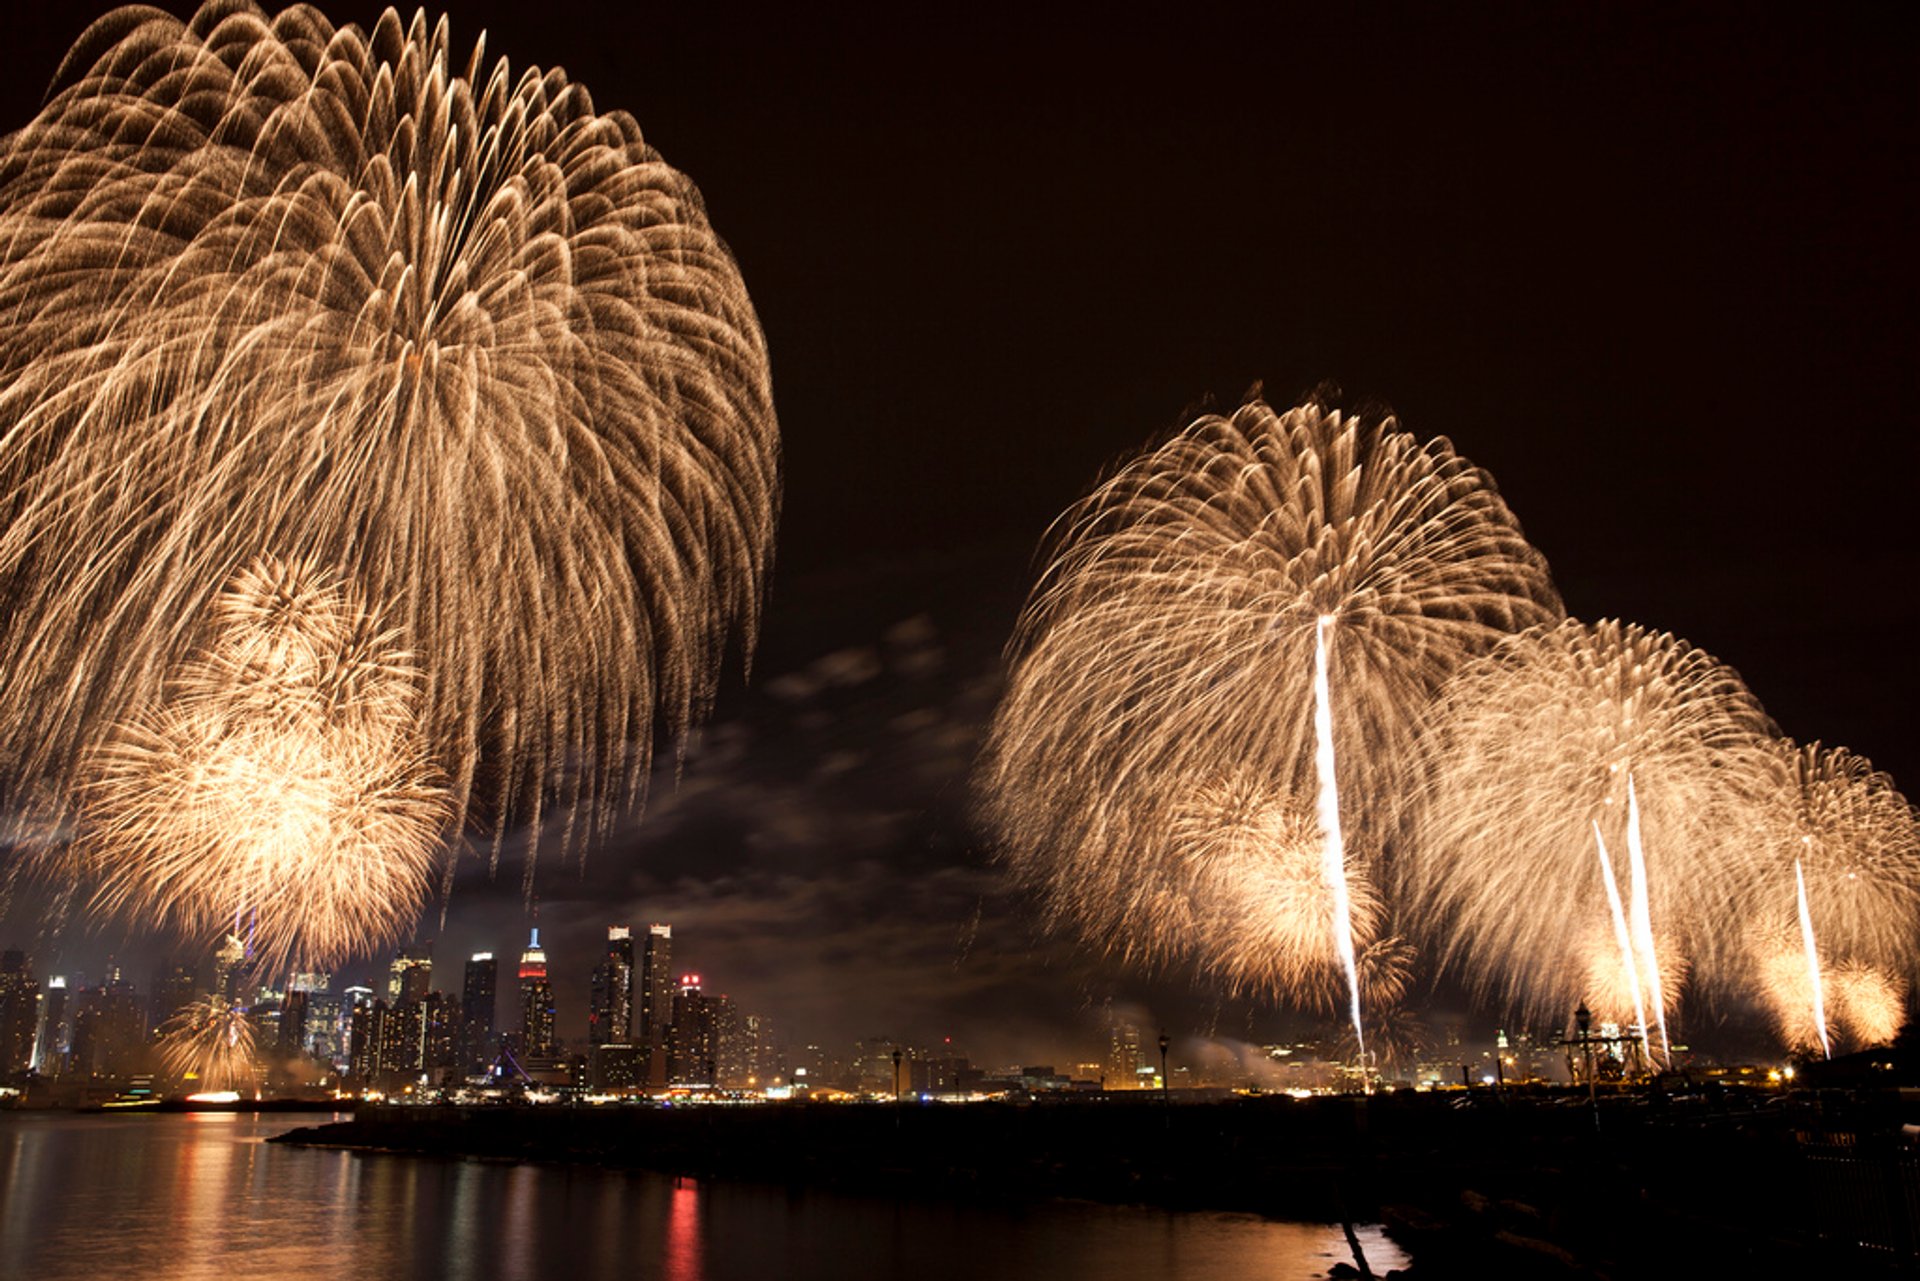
1747	1184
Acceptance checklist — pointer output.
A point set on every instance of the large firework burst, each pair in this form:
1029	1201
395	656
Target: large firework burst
272	288
1577	837
1838	847
279	788
1221	621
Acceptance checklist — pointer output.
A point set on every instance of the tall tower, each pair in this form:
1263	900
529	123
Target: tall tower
536	1002
476	1011
610	1017
656	1002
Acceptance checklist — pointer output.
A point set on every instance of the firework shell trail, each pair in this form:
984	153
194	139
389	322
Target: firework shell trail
270	288
1562	734
1150	773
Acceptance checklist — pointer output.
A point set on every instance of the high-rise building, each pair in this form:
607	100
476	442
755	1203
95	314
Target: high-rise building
226	967
410	976
293	1024
477	1012
175	985
695	1035
536	1039
440	1050
656	1004
56	1029
610	1012
109	1031
367	1032
19	1014
326	1038
1124	1059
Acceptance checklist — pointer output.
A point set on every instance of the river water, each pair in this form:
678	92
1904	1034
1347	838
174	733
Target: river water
202	1197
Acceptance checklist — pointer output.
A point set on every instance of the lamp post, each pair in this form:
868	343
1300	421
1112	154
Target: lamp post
896	1074
1165	1041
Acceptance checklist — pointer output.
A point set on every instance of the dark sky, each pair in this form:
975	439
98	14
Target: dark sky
1655	271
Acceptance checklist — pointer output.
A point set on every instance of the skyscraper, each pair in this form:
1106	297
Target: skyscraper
656	1003
56	1030
19	1014
477	1012
536	1003
410	976
175	984
610	1013
695	1035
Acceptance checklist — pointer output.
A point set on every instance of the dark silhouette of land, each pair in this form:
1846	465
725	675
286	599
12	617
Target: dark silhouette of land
1712	1182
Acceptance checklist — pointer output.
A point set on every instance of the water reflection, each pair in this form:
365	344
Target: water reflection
202	1198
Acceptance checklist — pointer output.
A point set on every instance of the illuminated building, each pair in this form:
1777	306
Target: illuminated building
614	1067
477	1012
610	1007
56	1031
1124	1060
226	968
410	975
656	1003
326	1039
19	1014
366	1031
694	1039
536	1039
440	1052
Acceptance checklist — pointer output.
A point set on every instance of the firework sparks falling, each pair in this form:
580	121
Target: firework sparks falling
1560	736
272	288
280	779
210	1041
1176	646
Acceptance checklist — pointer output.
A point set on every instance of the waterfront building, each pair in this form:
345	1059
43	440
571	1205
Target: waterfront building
476	1048
656	1003
536	1040
176	983
56	1029
694	1038
19	1014
610	1004
410	974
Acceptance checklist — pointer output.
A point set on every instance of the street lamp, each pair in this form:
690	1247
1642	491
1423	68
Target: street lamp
896	1074
1165	1041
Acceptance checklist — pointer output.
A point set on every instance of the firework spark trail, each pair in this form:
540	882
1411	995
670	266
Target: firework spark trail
1334	859
1813	961
1153	770
1840	871
1524	752
1642	920
1624	938
272	288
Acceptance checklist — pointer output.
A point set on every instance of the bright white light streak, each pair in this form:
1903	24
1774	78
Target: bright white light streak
1623	938
1333	849
1642	912
1813	960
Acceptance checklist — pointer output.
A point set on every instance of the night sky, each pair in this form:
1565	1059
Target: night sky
1655	272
